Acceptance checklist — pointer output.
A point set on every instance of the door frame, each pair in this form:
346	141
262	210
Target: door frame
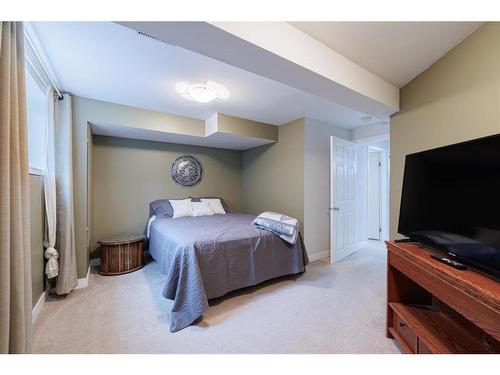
384	193
380	154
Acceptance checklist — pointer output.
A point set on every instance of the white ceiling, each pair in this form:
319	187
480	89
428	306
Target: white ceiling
106	61
395	51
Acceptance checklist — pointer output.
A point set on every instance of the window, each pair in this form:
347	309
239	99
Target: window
37	108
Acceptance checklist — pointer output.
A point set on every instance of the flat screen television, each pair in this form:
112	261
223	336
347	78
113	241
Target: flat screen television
451	202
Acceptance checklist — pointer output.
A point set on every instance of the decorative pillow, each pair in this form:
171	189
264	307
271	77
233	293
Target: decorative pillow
215	205
222	201
161	208
202	209
182	207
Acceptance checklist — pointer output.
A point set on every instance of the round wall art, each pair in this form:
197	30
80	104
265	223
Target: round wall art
186	171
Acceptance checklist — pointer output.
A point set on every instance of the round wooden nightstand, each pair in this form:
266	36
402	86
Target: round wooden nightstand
122	254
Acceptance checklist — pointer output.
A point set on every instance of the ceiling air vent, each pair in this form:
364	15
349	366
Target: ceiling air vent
154	38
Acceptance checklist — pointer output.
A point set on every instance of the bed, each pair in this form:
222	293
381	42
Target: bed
208	256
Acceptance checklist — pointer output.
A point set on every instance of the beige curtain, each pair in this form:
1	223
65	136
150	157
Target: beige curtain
15	253
49	190
65	233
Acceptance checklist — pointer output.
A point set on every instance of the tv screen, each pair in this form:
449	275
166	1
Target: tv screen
451	201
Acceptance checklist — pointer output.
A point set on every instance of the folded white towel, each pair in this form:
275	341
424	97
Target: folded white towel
272	215
283	226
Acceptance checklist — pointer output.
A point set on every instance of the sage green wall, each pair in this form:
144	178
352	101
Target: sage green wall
273	175
37	230
317	183
128	174
456	99
101	112
247	128
85	111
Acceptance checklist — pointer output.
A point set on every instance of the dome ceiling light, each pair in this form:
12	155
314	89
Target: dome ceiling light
202	92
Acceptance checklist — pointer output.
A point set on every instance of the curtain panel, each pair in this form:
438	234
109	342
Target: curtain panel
15	253
65	228
49	190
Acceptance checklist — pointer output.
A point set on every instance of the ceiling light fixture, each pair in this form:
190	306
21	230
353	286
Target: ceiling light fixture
202	92
366	118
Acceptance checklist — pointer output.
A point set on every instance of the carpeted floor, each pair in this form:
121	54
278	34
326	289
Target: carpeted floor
332	308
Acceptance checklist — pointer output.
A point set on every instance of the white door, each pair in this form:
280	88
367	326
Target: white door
342	198
374	196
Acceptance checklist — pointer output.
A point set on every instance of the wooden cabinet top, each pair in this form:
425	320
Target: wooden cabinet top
474	283
122	239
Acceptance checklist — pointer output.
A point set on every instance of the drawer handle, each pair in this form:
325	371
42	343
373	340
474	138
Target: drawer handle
487	343
402	325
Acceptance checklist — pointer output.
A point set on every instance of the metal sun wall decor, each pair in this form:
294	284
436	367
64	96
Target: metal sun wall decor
186	171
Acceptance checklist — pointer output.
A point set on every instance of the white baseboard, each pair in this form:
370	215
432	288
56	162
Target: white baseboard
371	243
317	256
363	244
38	306
342	254
345	253
83	283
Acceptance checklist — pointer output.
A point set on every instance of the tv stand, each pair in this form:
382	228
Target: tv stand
434	308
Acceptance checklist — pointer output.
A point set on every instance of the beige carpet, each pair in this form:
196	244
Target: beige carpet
337	308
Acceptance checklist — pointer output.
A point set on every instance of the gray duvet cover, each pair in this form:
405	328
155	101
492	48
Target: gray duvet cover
206	257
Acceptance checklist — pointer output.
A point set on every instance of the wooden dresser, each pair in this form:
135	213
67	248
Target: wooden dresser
434	308
122	254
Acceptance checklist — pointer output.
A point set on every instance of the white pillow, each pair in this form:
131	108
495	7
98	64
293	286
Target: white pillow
181	207
202	209
215	205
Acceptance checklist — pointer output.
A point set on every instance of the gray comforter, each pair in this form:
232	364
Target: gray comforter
206	257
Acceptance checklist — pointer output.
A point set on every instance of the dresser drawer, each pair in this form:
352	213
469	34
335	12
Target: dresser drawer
422	348
405	332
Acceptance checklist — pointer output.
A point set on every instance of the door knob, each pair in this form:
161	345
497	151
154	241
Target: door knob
334	209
